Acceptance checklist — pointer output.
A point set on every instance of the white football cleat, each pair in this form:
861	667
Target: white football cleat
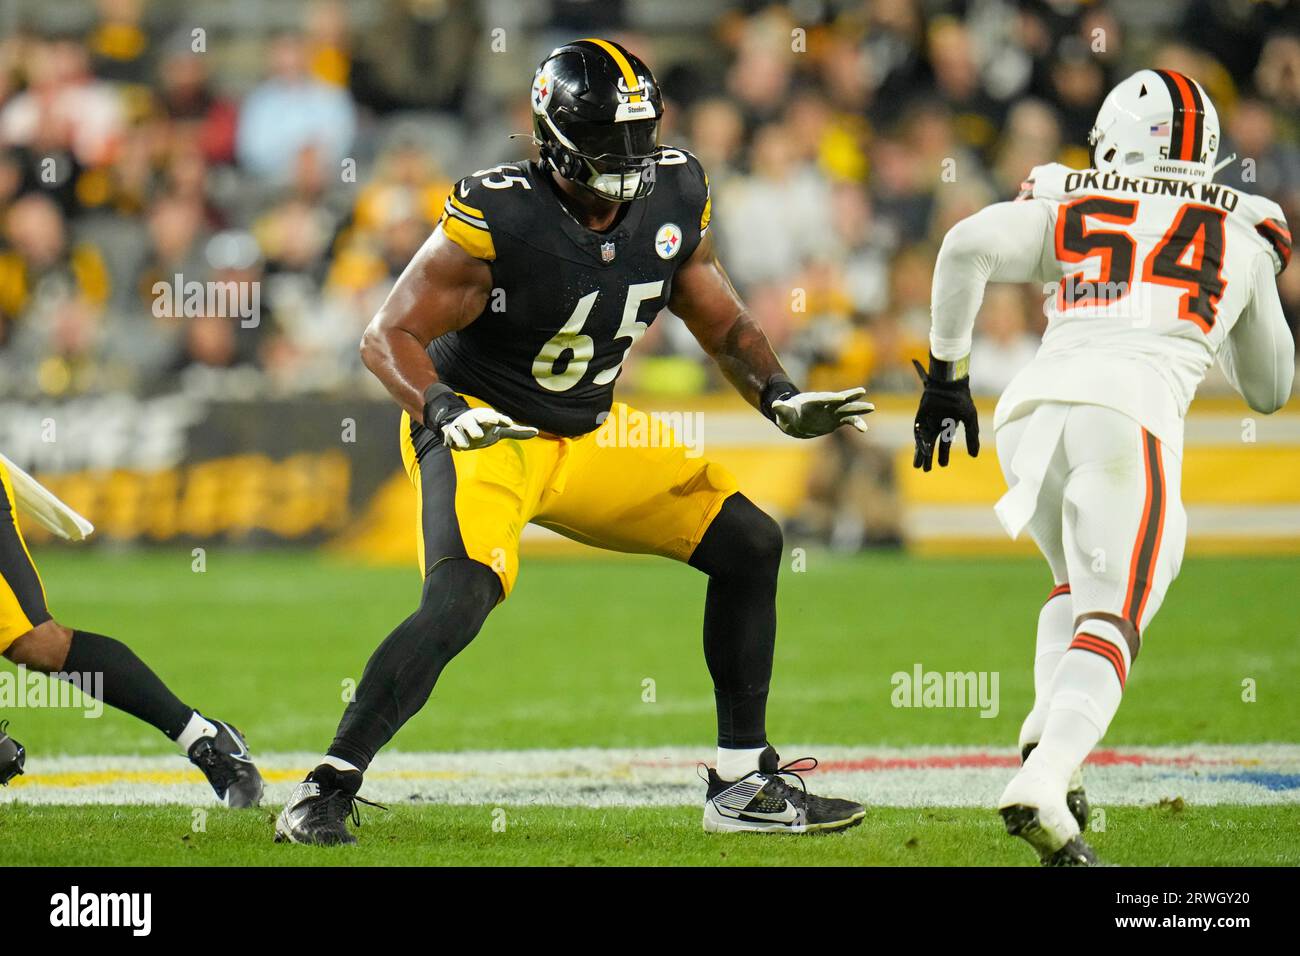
1076	798
1034	810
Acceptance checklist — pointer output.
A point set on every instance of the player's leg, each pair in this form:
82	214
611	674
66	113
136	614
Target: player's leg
108	670
651	497
741	554
1056	617
1124	530
457	596
471	506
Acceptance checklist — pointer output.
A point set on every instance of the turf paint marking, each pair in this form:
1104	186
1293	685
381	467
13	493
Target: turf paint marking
665	776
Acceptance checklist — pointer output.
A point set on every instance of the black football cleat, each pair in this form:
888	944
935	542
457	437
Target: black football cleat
12	755
762	802
1075	798
319	808
1075	853
1077	801
225	761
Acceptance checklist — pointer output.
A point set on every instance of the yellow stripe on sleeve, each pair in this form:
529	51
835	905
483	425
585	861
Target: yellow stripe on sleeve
707	214
477	242
465	207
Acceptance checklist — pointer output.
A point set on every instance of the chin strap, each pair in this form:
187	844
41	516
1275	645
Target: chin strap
1225	162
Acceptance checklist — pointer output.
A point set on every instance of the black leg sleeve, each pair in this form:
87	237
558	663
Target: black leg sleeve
458	596
126	682
741	554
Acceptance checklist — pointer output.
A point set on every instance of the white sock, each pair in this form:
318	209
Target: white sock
1086	692
198	728
734	764
338	763
1055	631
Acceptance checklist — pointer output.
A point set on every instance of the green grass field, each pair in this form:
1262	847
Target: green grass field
433	835
268	641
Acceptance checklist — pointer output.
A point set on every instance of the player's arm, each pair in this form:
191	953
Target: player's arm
1005	242
1258	356
704	298
441	290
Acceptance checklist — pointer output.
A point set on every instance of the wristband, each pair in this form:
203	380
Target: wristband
953	371
777	388
441	405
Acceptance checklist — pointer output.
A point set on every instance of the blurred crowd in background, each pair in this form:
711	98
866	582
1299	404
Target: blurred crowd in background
307	146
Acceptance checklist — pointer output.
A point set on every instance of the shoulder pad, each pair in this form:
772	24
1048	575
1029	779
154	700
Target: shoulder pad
1269	222
477	203
1045	182
1260	207
690	179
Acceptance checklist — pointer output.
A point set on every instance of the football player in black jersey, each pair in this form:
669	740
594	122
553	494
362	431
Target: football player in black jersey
502	341
101	667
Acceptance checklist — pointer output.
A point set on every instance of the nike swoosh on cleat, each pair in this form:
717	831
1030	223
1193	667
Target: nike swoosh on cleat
789	815
243	753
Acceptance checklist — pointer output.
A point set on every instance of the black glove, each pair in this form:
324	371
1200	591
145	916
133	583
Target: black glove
945	404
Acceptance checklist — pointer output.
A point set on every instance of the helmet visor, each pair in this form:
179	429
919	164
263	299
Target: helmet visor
615	144
620	157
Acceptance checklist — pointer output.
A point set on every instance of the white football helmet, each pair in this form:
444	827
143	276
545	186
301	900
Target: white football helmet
1157	123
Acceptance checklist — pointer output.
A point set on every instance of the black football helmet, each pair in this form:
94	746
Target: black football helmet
12	755
596	110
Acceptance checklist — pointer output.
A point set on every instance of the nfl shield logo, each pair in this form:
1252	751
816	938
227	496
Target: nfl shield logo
607	251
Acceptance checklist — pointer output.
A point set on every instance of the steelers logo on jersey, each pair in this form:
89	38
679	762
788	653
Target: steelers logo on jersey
668	240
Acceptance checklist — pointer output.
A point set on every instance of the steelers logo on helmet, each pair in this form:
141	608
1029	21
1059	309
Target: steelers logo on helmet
596	111
668	240
543	88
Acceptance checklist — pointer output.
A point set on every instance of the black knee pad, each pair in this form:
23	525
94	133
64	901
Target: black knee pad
761	537
458	595
742	540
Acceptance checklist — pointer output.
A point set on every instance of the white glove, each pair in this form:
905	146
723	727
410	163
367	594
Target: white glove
480	427
39	503
809	414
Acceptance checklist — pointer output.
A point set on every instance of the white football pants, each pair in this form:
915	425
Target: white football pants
1100	496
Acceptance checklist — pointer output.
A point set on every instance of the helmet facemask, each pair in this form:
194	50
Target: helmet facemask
618	164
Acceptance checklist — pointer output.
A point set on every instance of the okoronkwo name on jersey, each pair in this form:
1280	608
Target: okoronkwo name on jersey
567	302
1147	278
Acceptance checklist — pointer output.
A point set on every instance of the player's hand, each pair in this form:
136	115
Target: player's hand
463	428
809	414
480	427
945	404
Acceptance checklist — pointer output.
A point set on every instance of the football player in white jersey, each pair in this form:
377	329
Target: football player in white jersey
1154	271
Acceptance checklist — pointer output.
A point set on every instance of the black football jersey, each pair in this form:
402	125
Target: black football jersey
567	303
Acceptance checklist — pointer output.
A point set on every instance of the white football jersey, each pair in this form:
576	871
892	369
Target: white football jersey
1143	279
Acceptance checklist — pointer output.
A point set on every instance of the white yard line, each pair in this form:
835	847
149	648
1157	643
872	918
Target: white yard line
665	776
